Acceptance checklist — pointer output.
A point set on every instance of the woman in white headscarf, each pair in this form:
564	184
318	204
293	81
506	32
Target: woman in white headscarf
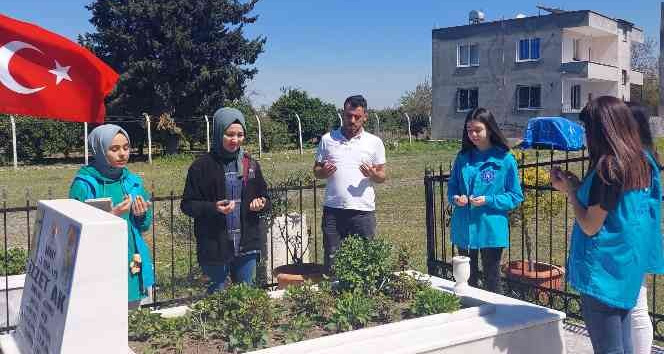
107	176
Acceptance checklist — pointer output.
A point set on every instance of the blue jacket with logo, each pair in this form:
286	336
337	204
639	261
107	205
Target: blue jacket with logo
610	265
493	174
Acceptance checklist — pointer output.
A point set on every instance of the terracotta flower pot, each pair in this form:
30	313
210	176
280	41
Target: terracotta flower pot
297	273
544	275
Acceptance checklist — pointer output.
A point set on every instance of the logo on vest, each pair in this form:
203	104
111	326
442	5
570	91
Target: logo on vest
487	176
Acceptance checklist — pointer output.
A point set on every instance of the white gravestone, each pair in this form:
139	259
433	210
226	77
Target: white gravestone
75	295
291	227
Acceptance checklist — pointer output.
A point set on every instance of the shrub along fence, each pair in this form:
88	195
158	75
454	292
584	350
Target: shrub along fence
539	237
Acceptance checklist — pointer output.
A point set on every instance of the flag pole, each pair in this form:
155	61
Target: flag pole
85	140
147	123
13	122
207	132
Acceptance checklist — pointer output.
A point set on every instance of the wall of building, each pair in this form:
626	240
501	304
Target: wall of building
498	74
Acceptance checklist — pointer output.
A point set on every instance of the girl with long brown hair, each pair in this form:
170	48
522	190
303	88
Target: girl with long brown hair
616	234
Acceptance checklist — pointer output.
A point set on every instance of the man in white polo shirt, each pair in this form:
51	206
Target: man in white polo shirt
352	160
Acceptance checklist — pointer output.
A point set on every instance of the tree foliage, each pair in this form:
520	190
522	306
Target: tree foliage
317	116
645	60
182	57
39	138
417	103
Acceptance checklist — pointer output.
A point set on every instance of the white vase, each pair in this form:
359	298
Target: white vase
461	272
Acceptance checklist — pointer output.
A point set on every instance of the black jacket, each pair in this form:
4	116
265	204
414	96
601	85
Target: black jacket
204	187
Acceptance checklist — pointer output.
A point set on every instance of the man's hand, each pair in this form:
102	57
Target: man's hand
460	200
477	201
257	204
324	169
375	172
123	207
225	207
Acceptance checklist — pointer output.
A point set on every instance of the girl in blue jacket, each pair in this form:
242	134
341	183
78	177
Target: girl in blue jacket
483	187
616	237
107	175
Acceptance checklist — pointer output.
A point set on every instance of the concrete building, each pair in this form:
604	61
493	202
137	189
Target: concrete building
548	65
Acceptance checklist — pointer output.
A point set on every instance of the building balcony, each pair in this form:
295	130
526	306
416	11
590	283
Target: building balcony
567	108
591	71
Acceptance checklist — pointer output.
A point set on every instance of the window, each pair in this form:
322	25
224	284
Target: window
528	49
576	49
529	97
468	55
467	99
575	97
624	77
624	35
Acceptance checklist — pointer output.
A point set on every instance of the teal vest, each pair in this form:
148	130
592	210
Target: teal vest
610	265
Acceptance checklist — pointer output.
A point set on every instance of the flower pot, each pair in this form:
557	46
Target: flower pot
297	273
543	275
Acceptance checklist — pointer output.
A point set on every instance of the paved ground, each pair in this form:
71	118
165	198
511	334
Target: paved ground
578	342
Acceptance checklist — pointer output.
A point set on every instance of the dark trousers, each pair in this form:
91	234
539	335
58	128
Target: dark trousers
340	223
609	327
490	267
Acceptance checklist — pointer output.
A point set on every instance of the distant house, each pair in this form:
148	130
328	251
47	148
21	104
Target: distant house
547	65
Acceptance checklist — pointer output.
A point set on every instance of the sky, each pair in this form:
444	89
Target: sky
336	48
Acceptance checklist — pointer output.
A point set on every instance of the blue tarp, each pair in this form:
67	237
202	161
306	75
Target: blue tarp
556	133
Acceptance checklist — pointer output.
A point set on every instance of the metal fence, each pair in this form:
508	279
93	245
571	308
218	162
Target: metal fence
172	242
540	225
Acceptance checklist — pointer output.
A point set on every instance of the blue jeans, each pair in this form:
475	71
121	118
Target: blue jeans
242	270
609	327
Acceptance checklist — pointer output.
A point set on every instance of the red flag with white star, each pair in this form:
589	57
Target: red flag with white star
45	75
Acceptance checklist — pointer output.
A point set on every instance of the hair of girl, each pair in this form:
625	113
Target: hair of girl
641	115
484	116
614	143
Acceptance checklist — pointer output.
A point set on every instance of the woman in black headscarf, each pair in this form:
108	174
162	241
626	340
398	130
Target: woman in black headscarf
225	193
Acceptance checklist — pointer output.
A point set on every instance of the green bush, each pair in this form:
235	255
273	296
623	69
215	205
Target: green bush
314	114
274	135
352	310
305	300
13	262
161	332
403	287
247	315
362	264
432	301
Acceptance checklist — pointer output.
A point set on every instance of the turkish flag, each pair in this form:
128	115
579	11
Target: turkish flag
45	75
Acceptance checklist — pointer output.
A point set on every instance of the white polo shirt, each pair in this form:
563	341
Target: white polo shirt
347	188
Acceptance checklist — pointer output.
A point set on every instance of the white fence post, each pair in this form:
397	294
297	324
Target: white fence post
260	138
377	123
13	123
147	122
85	140
410	137
341	121
207	132
430	133
299	130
